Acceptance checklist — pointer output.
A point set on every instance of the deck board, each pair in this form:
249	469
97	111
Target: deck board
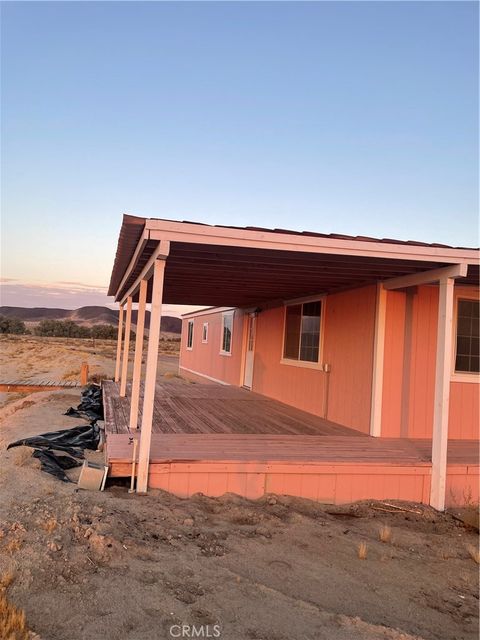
203	423
201	408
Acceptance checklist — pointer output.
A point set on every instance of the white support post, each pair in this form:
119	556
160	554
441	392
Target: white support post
150	375
378	362
442	394
137	363
126	348
119	344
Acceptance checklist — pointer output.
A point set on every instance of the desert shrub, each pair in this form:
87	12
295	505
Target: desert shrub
12	325
61	329
104	332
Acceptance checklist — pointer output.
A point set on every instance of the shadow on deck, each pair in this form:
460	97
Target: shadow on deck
214	438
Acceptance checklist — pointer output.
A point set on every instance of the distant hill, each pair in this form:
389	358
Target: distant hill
86	316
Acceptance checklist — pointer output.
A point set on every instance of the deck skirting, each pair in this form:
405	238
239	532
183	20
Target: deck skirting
329	483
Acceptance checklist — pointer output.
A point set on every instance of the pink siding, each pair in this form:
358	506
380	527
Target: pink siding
419	377
297	386
348	340
464	412
327	483
349	336
205	358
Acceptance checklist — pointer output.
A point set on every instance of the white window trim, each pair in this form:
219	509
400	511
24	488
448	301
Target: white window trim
224	315
193	332
461	376
306	364
205	333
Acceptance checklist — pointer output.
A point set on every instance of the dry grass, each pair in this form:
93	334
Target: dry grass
13	625
385	533
362	551
73	374
98	377
474	553
49	525
6	580
13	546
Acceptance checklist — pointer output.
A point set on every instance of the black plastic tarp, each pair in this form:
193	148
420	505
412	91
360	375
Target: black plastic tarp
54	464
71	441
91	405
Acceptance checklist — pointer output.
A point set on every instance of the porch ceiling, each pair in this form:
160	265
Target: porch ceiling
207	272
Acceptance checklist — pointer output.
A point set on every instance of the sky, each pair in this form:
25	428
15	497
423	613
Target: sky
337	117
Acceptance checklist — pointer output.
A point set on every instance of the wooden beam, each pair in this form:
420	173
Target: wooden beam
443	368
126	348
138	252
312	243
137	363
150	375
378	363
119	344
453	271
161	252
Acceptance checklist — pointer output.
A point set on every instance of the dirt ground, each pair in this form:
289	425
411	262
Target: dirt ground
31	358
113	565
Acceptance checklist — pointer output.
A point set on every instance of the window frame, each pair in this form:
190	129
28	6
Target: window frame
307	364
190	322
226	314
461	376
205	333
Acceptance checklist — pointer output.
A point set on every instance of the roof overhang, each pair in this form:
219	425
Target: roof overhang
241	267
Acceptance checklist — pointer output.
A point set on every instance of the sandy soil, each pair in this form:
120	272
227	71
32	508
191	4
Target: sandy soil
31	358
114	565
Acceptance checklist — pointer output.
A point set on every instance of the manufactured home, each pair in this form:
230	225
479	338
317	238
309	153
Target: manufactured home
330	367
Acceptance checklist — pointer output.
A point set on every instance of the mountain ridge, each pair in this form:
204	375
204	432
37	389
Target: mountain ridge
85	316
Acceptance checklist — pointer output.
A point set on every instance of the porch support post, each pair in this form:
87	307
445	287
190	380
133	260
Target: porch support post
150	375
119	344
137	363
378	360
126	348
443	369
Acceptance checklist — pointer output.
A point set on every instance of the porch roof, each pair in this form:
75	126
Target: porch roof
242	267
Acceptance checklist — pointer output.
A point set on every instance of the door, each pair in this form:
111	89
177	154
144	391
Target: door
250	351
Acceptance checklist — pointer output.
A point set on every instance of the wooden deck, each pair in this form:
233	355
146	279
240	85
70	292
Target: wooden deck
28	386
214	438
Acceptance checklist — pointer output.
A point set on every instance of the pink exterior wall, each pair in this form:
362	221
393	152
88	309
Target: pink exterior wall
410	373
348	349
298	386
349	337
205	358
349	325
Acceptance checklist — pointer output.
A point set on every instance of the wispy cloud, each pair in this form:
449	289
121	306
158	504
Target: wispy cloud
68	295
64	295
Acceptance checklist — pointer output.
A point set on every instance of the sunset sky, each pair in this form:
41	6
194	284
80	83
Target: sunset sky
347	117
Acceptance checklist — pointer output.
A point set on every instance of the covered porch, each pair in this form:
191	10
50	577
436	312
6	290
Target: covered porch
161	261
213	439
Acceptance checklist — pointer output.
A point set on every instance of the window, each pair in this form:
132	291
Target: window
467	352
227	327
190	334
205	333
302	332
